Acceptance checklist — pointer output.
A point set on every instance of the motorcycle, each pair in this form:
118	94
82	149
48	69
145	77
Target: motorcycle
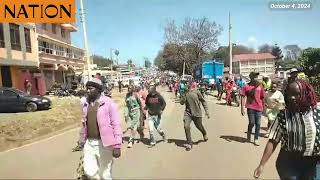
235	96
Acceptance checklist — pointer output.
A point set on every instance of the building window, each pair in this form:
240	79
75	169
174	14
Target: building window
261	62
54	28
2	45
28	39
15	37
270	61
252	63
63	33
270	70
44	26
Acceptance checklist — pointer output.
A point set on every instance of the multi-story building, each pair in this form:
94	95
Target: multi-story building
19	56
59	59
264	63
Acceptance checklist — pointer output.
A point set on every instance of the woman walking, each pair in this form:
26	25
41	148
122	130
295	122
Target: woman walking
297	127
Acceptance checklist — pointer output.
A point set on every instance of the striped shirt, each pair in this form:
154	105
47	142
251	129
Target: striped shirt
298	132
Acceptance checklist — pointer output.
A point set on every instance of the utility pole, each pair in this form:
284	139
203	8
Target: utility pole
184	67
83	21
230	45
111	62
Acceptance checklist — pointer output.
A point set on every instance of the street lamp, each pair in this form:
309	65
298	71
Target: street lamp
116	52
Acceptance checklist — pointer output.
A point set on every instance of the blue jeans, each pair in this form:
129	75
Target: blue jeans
154	122
254	120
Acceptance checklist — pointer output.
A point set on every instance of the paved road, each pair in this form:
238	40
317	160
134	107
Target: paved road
224	156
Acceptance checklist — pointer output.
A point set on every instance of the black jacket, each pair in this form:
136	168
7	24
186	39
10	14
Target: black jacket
155	103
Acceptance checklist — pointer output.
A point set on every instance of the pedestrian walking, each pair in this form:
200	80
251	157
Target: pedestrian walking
241	82
120	86
228	86
142	94
253	95
219	88
155	105
103	135
134	107
274	102
193	100
27	86
297	128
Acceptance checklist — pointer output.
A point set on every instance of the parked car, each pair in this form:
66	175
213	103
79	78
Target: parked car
14	100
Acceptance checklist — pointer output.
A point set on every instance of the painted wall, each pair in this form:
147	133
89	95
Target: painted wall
7	54
48	32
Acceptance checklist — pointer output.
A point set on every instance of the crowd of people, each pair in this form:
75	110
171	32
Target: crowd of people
292	113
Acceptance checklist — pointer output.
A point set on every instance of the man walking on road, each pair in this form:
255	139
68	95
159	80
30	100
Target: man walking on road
155	104
253	95
102	132
192	100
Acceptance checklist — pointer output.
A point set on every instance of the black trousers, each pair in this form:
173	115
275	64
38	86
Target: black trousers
187	119
295	166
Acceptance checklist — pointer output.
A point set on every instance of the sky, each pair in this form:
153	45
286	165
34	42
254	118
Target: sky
136	27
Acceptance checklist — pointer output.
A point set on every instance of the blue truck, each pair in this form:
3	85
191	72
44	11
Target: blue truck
209	69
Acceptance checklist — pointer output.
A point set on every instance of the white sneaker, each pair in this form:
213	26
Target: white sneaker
130	144
256	142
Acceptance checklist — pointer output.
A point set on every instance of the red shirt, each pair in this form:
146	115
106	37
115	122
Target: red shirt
257	102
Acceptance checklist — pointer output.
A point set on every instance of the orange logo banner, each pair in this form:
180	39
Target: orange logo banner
38	11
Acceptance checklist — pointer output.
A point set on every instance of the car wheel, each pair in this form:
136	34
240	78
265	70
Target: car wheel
31	107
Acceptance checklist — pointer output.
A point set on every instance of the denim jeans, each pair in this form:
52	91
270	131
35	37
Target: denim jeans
154	122
254	120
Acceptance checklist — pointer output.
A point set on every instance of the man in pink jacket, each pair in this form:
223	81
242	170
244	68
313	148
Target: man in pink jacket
102	132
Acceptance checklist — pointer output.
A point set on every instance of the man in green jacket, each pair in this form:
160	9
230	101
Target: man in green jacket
193	100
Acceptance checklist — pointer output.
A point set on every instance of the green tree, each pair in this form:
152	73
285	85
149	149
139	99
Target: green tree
159	61
189	42
147	63
310	63
101	61
130	62
277	52
223	52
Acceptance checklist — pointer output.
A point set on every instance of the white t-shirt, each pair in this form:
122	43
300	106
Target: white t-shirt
273	96
271	101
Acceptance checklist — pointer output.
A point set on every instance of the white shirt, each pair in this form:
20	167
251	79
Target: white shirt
272	97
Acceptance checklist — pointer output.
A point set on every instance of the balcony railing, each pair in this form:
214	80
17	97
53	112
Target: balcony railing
54	52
